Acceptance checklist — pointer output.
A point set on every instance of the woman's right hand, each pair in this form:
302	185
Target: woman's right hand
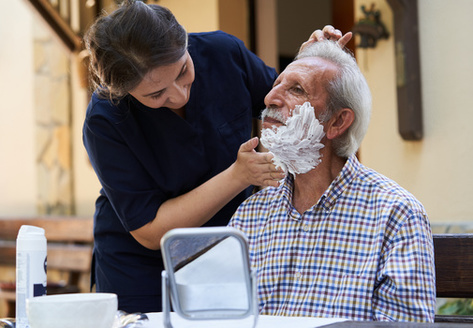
328	33
250	168
254	168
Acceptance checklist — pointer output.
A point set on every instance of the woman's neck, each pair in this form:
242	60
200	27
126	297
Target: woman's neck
180	111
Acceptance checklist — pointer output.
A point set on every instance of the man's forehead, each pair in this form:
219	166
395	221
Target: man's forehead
310	68
316	63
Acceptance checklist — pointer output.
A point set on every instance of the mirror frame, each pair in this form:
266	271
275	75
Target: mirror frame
169	285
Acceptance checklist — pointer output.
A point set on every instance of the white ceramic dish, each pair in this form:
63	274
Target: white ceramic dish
72	310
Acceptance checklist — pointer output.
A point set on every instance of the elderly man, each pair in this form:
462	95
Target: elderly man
335	239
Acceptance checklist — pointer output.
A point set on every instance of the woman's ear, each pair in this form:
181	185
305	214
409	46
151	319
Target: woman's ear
339	123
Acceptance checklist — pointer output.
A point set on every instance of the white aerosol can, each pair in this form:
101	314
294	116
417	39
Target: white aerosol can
31	254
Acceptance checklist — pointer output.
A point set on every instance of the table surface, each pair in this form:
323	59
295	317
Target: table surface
156	321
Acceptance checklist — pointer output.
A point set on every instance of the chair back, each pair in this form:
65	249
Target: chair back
454	270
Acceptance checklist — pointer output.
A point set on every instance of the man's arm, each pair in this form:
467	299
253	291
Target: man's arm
405	289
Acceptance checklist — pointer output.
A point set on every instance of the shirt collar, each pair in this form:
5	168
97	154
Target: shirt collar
341	182
336	188
287	187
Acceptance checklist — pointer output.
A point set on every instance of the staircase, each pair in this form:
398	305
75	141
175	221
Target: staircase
70	18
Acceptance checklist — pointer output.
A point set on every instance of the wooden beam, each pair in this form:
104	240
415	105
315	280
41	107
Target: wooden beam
56	228
58	24
409	95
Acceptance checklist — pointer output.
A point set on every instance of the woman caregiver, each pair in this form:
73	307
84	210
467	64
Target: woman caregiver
167	132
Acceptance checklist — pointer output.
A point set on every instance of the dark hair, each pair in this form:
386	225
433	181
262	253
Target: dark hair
125	45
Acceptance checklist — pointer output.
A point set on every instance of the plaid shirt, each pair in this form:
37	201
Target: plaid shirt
363	252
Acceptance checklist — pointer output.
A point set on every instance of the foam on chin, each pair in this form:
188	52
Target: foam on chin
296	145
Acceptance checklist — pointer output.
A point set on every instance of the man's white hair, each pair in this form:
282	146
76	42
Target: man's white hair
348	89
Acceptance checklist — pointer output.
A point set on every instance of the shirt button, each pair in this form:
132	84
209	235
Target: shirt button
305	227
298	275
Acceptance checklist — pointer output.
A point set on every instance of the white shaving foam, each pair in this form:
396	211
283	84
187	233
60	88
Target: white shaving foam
295	146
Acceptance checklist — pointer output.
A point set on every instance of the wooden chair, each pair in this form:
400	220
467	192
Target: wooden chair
454	270
69	242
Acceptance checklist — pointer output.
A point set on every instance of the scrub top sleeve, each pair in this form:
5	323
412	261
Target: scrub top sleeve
260	77
124	180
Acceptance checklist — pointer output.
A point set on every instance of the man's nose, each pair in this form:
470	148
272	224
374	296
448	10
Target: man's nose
273	98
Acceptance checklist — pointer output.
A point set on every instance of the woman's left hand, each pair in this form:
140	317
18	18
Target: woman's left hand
256	168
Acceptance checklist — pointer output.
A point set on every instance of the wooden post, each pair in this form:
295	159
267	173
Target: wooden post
408	78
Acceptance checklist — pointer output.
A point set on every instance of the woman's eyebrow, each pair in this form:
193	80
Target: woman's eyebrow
182	69
155	92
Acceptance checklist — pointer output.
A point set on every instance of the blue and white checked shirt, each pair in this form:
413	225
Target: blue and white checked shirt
363	252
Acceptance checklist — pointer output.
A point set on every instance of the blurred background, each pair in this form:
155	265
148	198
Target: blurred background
415	54
43	86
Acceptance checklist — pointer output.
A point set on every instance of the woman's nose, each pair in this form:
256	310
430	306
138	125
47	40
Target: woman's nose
178	93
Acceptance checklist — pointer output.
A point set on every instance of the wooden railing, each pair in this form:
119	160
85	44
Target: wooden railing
70	19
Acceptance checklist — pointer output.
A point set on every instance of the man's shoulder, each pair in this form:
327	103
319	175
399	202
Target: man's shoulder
262	201
391	204
387	190
264	195
255	210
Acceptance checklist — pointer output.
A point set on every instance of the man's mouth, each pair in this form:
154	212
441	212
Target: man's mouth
271	120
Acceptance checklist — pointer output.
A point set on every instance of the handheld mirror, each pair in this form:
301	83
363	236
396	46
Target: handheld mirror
207	275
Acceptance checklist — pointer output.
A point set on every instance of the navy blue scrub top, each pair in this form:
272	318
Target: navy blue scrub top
144	156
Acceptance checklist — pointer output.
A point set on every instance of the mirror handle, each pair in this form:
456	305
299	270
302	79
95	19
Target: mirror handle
254	290
166	300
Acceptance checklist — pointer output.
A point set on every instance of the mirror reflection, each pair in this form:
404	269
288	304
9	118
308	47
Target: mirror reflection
214	280
207	273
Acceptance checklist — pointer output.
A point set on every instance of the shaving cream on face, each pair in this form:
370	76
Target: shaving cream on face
295	146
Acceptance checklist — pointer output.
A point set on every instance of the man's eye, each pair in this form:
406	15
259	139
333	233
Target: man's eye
298	90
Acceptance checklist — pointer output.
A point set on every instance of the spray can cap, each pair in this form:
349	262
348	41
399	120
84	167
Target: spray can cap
31	237
31	232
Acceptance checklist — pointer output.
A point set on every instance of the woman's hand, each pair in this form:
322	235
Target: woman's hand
254	168
197	206
328	33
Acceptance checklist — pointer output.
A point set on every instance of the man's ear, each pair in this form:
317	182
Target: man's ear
339	123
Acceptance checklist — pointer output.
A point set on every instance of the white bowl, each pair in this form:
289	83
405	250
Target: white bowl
72	310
